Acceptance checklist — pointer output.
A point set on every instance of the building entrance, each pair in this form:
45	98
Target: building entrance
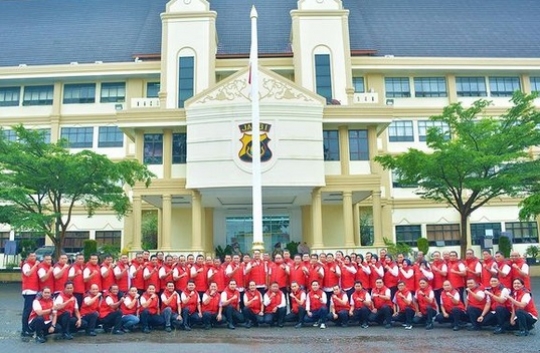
239	232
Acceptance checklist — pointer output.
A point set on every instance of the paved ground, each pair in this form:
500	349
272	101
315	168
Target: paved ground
288	339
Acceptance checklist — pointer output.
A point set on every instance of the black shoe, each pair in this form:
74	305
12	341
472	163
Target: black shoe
67	336
388	326
145	330
27	334
207	327
298	325
126	330
522	333
429	327
168	329
187	328
41	339
498	331
456	328
280	325
473	328
91	333
247	324
231	327
118	332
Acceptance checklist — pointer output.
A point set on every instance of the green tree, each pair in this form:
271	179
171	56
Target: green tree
42	183
478	159
149	230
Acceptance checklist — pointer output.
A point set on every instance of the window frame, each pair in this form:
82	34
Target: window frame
430	87
431	124
535	83
524	226
179	148
3	241
494	81
85	92
186	79
108	237
150	87
108	142
323	76
331	150
85	131
10	91
398	129
358	145
476	228
450	234
30	93
156	158
404	83
412	231
471	82
359	81
76	238
112	92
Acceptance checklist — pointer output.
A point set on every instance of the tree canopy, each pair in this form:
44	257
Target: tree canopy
42	183
477	159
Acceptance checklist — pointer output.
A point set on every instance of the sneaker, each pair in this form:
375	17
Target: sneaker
498	331
365	326
316	324
388	326
27	334
429	326
145	330
522	333
404	325
168	329
91	333
41	339
408	327
298	325
323	326
456	328
118	332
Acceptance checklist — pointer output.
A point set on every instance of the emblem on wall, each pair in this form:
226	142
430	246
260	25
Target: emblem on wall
246	153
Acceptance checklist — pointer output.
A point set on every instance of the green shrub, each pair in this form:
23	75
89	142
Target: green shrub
90	247
399	248
505	246
292	247
423	245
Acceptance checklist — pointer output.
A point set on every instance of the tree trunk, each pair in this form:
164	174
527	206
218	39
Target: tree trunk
463	240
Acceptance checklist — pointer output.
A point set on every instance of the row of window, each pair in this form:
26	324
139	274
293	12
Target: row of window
358	145
449	234
81	137
466	86
73	243
403	130
153	148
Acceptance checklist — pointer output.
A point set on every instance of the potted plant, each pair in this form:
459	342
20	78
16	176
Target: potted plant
532	254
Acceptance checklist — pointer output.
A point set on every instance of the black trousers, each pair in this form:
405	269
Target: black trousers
405	316
473	314
90	321
38	324
296	317
233	316
27	309
455	317
249	315
153	320
277	317
190	319
425	319
499	317
361	315
383	315
342	317
113	320
524	320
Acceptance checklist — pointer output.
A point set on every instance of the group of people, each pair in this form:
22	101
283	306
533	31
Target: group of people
158	291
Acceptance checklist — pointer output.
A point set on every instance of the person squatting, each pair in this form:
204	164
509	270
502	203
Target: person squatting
186	292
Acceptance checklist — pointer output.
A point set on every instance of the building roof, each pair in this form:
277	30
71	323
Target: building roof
40	32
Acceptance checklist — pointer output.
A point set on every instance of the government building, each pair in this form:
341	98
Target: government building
340	82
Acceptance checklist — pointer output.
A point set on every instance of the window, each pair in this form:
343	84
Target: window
471	86
113	92
45	134
443	234
424	125
401	131
29	240
430	87
179	150
186	79
323	76
10	135
110	136
535	85
153	148
4	237
358	145
523	232
397	87
396	182
38	95
239	231
152	89
503	86
331	145
78	137
74	241
408	234
112	237
478	232
9	96
358	84
80	93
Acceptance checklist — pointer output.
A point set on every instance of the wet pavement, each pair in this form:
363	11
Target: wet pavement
266	339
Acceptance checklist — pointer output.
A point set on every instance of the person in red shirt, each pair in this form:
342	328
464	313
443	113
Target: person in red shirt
171	308
377	271
107	273
75	275
165	273
363	272
332	276
191	306
150	311
360	305
473	265
199	274
136	273
60	273
489	268
348	274
256	270
299	272
504	271
407	274
216	273
452	307
500	306
339	307
45	273
30	287
110	315
298	305
381	311
477	304
524	312
130	309
520	269
403	306
230	304
275	306
180	275
253	305
211	311
90	309
457	273
67	311
425	304
316	309
43	316
151	273
279	271
91	273
121	274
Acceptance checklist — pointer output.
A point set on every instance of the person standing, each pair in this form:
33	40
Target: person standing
440	273
91	273
107	273
30	287
121	275
489	268
136	273
75	275
457	272
165	273
199	276
151	273
180	275
256	271
332	276
45	273
60	273
348	274
504	271
520	269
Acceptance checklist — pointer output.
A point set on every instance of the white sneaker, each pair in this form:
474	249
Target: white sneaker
408	327
323	326
316	324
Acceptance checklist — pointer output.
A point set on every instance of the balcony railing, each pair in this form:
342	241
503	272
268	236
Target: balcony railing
141	103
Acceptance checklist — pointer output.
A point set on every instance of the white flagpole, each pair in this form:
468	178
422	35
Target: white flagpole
258	241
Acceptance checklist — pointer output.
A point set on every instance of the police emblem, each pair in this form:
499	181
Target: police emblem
245	154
